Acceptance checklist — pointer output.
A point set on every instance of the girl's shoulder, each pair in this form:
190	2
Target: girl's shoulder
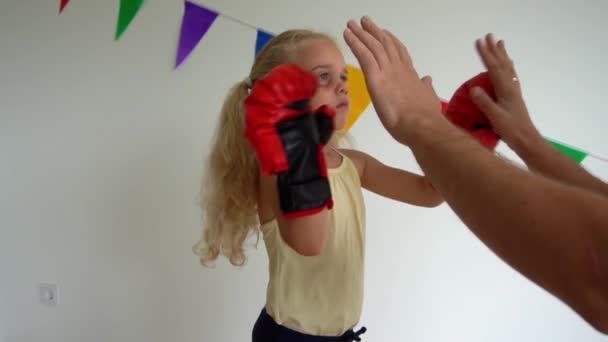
358	158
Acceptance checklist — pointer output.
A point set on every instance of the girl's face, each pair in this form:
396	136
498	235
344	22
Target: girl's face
324	59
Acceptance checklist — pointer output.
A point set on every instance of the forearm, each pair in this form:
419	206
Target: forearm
543	158
305	217
531	222
403	186
394	183
306	235
430	195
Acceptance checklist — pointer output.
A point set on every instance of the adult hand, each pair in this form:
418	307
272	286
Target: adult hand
401	98
508	114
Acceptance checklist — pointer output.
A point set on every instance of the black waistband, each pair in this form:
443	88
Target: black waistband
266	323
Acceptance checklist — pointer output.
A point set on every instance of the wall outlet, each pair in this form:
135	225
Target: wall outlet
48	295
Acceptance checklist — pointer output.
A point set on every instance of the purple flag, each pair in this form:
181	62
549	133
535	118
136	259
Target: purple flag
195	24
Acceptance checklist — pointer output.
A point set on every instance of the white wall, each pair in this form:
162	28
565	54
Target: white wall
101	145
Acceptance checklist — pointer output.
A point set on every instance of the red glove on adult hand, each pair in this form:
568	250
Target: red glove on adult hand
288	138
462	112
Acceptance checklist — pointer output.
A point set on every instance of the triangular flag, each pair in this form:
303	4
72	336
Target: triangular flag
128	10
571	152
195	23
63	4
261	40
359	97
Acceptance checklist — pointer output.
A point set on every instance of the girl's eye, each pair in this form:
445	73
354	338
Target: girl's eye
344	78
324	76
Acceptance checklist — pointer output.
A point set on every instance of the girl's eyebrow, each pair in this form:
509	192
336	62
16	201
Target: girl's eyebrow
326	66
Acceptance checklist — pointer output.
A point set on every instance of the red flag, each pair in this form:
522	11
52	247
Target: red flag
63	4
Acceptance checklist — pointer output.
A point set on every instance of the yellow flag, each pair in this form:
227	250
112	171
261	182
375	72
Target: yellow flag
359	97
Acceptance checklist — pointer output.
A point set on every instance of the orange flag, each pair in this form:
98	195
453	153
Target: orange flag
359	97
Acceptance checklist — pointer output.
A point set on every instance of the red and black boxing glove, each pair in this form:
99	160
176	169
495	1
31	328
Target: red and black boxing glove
462	111
288	137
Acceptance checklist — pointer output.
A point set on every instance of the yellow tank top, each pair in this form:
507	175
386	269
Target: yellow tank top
322	295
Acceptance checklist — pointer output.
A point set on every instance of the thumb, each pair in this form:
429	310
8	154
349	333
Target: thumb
428	82
485	103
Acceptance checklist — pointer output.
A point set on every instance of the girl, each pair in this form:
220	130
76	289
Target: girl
316	262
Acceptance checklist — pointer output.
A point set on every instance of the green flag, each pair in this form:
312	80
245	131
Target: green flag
128	10
571	152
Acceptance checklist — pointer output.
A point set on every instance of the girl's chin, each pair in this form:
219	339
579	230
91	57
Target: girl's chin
340	128
340	121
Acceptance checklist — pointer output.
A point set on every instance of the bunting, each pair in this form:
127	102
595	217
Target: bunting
62	5
594	164
196	22
359	96
128	11
261	39
198	19
575	154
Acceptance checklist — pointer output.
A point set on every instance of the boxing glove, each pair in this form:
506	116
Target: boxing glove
288	138
462	111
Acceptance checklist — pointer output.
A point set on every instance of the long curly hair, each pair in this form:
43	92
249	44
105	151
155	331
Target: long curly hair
230	185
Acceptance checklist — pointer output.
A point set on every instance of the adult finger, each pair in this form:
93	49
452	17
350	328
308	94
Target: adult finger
485	103
505	75
502	53
404	55
490	43
428	82
363	55
488	59
509	66
500	69
372	44
381	36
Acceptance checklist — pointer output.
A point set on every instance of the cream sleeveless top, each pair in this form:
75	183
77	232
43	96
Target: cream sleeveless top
322	295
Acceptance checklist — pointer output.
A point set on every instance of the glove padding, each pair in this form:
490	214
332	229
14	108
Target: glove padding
288	138
463	112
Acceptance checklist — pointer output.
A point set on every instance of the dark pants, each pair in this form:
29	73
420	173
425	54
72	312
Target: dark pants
267	330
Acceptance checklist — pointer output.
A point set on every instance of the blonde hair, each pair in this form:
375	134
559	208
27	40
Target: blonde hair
229	189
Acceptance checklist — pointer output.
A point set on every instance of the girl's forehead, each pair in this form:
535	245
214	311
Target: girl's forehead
317	52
